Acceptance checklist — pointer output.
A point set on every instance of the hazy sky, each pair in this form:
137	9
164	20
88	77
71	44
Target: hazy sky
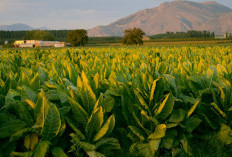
73	14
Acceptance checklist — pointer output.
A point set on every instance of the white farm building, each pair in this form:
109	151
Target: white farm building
38	43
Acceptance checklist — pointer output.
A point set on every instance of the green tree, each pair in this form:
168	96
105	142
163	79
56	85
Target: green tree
78	37
212	35
39	35
133	36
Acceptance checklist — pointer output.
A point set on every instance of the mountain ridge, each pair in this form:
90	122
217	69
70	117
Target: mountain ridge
175	16
19	27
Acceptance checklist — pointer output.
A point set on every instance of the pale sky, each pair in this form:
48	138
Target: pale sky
74	14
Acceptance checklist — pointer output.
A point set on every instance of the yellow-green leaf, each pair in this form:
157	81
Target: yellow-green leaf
52	123
159	132
193	108
165	107
106	129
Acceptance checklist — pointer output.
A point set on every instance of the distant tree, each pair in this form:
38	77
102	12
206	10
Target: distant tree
212	35
229	36
39	35
133	36
78	37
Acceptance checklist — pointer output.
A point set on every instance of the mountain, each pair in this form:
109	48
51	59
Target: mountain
19	27
15	27
176	16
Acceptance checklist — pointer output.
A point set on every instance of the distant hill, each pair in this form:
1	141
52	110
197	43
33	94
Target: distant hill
176	16
19	27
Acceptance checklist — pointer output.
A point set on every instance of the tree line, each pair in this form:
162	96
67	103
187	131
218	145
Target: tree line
58	35
184	35
80	37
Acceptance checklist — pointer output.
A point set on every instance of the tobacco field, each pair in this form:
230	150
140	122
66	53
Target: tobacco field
116	101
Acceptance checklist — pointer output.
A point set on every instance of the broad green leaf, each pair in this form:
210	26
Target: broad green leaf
10	127
185	145
106	102
95	122
109	142
153	90
127	106
52	123
209	121
94	154
172	125
41	149
87	95
58	152
21	111
172	84
6	147
64	110
28	93
140	149
11	97
87	146
145	149
154	120
52	95
42	75
160	86
62	95
165	107
41	109
107	128
17	135
159	132
84	145
154	145
138	132
72	124
35	82
177	116
211	73
192	123
79	113
168	142
225	134
72	73
141	100
188	99
91	153
196	83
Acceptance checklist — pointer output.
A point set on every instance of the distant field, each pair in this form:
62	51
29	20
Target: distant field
207	42
169	42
